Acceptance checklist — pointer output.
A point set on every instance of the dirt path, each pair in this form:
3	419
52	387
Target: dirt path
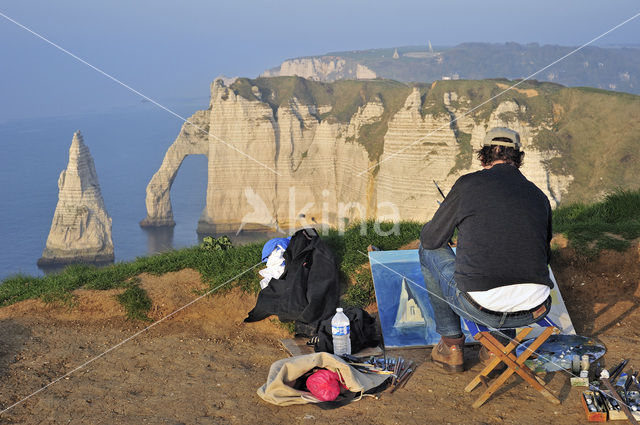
203	365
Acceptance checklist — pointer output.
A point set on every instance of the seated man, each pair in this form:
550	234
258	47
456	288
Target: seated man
499	275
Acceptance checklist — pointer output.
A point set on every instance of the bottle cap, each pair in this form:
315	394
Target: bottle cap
339	310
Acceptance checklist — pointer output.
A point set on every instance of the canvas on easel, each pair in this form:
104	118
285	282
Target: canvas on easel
406	315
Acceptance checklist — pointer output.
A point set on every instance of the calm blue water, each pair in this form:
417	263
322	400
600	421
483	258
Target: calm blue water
127	146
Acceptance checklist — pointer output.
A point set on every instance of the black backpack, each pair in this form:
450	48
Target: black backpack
309	288
362	327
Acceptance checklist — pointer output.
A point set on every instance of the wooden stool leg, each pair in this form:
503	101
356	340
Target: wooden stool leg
531	380
482	375
494	346
528	375
493	388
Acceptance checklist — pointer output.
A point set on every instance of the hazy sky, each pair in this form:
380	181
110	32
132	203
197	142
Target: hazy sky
170	50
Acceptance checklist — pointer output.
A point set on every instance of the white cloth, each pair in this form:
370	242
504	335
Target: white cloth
518	297
275	267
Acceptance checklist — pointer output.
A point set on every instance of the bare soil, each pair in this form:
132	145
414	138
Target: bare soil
203	364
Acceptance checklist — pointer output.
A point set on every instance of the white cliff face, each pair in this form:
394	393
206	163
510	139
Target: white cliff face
367	114
417	151
364	73
285	167
286	172
81	228
533	166
242	149
324	68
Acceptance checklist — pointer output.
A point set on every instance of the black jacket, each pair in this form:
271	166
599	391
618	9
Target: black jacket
307	291
504	229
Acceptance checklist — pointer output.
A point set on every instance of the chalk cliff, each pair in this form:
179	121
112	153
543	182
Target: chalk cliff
81	228
281	157
324	68
611	68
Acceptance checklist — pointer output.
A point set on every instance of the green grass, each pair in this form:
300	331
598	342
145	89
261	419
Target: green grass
279	91
136	302
371	136
480	96
351	254
610	224
465	153
344	96
216	268
596	135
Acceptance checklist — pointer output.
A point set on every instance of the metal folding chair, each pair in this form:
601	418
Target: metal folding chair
506	354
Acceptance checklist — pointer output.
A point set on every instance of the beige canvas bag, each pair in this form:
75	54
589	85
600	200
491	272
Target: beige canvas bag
279	387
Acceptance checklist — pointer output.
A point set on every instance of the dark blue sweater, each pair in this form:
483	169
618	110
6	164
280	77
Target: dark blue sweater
504	229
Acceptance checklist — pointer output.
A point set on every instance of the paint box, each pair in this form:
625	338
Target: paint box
615	412
595	413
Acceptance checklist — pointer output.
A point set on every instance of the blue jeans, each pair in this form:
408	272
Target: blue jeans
448	304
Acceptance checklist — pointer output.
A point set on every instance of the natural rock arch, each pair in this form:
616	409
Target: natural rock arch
192	140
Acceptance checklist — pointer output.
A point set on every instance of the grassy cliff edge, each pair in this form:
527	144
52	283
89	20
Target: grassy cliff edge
613	223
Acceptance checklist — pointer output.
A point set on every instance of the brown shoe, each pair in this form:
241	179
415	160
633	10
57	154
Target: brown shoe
485	356
449	353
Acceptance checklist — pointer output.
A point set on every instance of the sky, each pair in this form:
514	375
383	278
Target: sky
171	51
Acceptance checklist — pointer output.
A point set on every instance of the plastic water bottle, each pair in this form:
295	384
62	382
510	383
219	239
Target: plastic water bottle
341	333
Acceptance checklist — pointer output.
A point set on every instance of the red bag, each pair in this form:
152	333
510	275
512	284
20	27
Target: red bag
324	385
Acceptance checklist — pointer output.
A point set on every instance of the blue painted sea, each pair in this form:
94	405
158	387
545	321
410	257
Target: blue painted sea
127	145
389	269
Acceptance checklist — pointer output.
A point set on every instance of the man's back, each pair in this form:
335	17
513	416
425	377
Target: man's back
504	228
499	275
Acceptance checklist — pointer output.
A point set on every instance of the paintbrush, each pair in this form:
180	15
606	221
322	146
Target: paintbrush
617	370
409	375
439	190
395	373
395	388
399	379
384	349
402	381
407	371
400	365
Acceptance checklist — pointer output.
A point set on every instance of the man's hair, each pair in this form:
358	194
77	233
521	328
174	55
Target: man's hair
489	154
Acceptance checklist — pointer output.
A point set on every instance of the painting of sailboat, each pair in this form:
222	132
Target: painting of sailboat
405	313
409	312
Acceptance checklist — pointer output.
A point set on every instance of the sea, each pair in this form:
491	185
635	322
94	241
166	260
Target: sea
127	145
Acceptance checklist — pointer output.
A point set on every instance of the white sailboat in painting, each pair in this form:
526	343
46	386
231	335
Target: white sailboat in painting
409	313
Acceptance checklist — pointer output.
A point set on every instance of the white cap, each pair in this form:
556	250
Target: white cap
502	136
339	310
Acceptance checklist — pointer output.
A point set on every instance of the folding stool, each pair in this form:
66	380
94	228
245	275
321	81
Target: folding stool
504	354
